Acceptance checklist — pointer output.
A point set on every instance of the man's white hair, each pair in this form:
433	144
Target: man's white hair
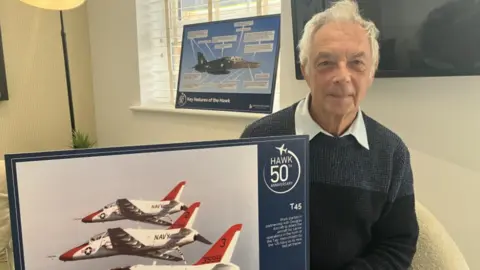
343	10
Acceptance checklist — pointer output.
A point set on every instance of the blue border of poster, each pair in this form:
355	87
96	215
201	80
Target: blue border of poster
229	65
283	210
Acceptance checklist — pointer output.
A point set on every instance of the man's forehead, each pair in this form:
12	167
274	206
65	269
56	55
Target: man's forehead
344	28
334	53
344	32
344	38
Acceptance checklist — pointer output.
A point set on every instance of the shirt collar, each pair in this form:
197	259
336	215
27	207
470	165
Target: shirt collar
305	125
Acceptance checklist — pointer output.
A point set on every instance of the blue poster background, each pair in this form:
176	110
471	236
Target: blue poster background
229	65
283	204
282	195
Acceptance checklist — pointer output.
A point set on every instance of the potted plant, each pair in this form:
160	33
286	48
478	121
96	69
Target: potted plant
81	140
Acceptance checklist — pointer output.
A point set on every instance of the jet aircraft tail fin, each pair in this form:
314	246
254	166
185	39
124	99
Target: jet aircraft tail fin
187	219
222	250
201	58
175	193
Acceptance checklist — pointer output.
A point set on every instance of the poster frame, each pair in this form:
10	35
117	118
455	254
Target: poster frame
181	99
12	160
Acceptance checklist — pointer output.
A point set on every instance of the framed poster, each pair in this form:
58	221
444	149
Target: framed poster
229	65
237	204
3	74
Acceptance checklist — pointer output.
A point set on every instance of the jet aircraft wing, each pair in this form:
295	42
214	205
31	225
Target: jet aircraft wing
124	242
132	212
166	209
127	244
163	255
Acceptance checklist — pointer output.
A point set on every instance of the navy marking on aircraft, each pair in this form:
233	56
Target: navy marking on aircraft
151	212
158	244
218	257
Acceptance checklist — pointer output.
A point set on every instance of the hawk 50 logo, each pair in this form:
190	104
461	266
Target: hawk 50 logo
282	172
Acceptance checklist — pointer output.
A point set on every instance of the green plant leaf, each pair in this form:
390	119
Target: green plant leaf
81	140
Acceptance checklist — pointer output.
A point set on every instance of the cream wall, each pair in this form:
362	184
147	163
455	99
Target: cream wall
435	116
116	84
36	116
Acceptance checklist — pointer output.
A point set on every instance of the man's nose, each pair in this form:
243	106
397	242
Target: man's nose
342	74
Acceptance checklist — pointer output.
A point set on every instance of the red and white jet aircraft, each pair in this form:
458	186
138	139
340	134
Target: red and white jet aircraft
151	212
150	243
218	257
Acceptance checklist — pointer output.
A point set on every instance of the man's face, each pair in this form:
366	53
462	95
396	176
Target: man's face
340	69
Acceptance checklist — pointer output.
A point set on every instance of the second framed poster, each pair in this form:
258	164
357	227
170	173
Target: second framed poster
229	65
240	204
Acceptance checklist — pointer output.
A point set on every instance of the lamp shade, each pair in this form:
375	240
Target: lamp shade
54	4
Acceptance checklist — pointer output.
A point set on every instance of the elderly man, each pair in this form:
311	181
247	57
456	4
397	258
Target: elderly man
362	196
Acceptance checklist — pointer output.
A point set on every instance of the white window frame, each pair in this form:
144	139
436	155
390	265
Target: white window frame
159	49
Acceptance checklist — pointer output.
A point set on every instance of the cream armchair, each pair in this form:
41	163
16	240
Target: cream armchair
435	248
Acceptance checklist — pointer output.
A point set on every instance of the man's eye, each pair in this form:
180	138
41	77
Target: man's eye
358	62
324	63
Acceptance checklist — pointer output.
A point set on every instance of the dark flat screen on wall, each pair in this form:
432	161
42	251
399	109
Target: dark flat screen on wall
3	75
417	38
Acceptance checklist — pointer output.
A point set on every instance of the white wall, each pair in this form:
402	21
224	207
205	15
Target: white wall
116	81
36	118
437	118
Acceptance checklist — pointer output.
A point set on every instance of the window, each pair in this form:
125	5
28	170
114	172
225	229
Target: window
159	32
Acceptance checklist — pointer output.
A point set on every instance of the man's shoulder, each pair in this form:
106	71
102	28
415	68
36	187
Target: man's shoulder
383	137
278	123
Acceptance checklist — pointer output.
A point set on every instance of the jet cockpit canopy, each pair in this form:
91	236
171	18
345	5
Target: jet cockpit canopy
98	236
110	205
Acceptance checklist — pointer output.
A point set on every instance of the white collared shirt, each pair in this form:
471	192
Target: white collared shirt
305	125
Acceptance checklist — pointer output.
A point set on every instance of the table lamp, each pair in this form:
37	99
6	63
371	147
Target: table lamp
61	5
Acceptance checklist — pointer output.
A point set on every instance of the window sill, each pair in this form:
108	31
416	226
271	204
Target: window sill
171	109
